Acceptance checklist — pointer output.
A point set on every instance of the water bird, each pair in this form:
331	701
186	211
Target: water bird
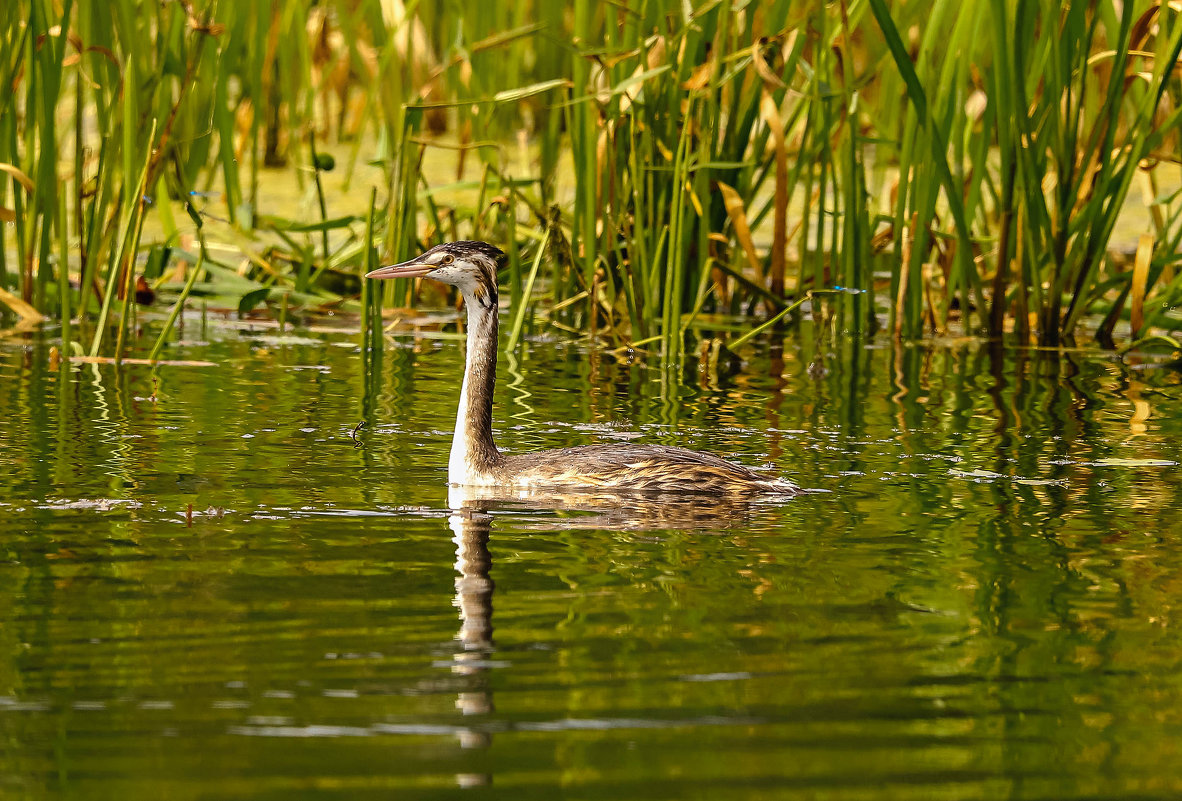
475	461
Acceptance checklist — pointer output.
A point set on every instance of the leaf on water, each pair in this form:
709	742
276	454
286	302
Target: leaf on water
285	339
975	474
167	362
252	299
228	281
989	475
1116	462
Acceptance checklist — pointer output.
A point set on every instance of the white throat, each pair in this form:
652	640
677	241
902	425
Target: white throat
472	441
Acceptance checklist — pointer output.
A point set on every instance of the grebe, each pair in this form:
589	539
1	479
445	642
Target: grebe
471	267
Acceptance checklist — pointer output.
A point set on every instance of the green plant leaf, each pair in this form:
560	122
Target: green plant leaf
252	299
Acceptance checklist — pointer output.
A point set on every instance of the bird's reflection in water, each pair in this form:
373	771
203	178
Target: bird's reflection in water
474	593
471	522
622	511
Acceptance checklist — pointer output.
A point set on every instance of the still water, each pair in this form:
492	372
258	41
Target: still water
983	604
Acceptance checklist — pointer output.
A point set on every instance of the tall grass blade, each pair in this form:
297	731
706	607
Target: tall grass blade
519	313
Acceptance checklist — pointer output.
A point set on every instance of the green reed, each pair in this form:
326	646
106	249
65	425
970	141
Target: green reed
1071	105
963	166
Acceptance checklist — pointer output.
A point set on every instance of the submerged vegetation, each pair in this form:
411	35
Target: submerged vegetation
647	164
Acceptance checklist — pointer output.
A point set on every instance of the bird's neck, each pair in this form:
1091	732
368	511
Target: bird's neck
473	453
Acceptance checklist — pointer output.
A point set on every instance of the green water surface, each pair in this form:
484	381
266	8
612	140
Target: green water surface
982	606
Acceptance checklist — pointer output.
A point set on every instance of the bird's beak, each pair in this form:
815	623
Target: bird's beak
407	269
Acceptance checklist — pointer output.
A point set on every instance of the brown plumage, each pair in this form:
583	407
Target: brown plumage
632	467
476	460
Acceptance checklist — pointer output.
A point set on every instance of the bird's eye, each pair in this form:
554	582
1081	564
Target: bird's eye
448	259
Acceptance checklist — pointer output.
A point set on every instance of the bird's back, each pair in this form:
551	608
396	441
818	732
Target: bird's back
621	466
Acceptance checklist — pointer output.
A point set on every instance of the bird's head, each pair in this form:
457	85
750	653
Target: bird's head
470	266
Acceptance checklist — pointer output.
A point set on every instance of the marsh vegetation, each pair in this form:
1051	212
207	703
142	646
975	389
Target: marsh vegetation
650	166
236	547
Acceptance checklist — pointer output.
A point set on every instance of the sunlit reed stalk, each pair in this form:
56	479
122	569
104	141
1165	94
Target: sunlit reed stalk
519	311
371	312
121	263
810	295
178	306
64	309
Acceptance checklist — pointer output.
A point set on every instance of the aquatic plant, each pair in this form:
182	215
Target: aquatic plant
647	164
1059	123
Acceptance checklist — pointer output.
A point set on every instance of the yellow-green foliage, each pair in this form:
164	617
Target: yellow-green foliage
958	163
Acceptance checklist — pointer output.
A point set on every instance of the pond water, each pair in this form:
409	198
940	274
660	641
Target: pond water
983	604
